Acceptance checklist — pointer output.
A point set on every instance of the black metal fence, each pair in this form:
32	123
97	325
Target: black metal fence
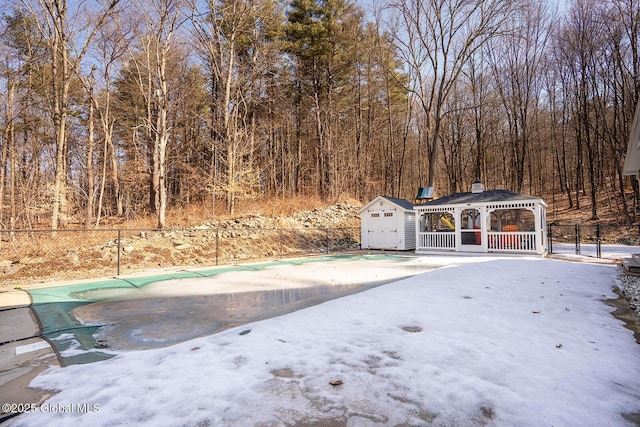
594	240
30	255
73	254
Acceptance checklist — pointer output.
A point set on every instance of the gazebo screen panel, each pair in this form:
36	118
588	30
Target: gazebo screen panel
512	220
438	222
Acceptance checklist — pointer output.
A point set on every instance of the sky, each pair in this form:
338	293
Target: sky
480	341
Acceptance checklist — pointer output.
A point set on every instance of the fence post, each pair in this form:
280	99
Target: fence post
577	232
598	242
217	238
550	237
326	236
119	239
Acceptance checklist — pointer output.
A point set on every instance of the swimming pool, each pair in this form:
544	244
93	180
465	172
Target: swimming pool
93	321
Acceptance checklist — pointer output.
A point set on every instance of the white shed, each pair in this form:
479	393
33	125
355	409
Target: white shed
388	223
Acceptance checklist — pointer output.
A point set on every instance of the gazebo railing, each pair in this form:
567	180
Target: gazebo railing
498	241
436	240
512	241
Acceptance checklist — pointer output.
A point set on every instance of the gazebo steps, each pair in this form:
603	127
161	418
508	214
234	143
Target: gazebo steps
632	265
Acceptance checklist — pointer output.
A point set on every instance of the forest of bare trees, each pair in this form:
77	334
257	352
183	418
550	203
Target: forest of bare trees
123	108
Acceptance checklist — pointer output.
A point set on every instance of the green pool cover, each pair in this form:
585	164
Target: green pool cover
75	342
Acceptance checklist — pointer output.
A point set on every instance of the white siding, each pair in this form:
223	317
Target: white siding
409	234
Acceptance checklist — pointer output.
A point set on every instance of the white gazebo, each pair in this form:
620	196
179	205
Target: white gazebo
482	221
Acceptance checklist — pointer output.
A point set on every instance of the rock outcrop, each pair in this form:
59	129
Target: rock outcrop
76	254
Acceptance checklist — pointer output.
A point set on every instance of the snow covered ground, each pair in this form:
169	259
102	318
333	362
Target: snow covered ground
610	252
484	341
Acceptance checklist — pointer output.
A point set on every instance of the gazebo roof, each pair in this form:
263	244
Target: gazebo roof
486	196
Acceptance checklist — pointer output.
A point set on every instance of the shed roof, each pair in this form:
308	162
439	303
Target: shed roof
486	196
402	203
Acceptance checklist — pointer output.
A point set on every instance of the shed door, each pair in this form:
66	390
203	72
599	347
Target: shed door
390	230
383	232
375	229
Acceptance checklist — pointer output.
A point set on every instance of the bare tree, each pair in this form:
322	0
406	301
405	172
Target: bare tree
235	43
111	46
322	39
157	56
68	46
517	60
483	106
23	67
90	170
437	38
581	41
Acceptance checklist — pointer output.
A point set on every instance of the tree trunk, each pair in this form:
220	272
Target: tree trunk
61	82
90	172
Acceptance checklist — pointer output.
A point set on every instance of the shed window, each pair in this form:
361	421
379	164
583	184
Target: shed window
388	214
375	215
